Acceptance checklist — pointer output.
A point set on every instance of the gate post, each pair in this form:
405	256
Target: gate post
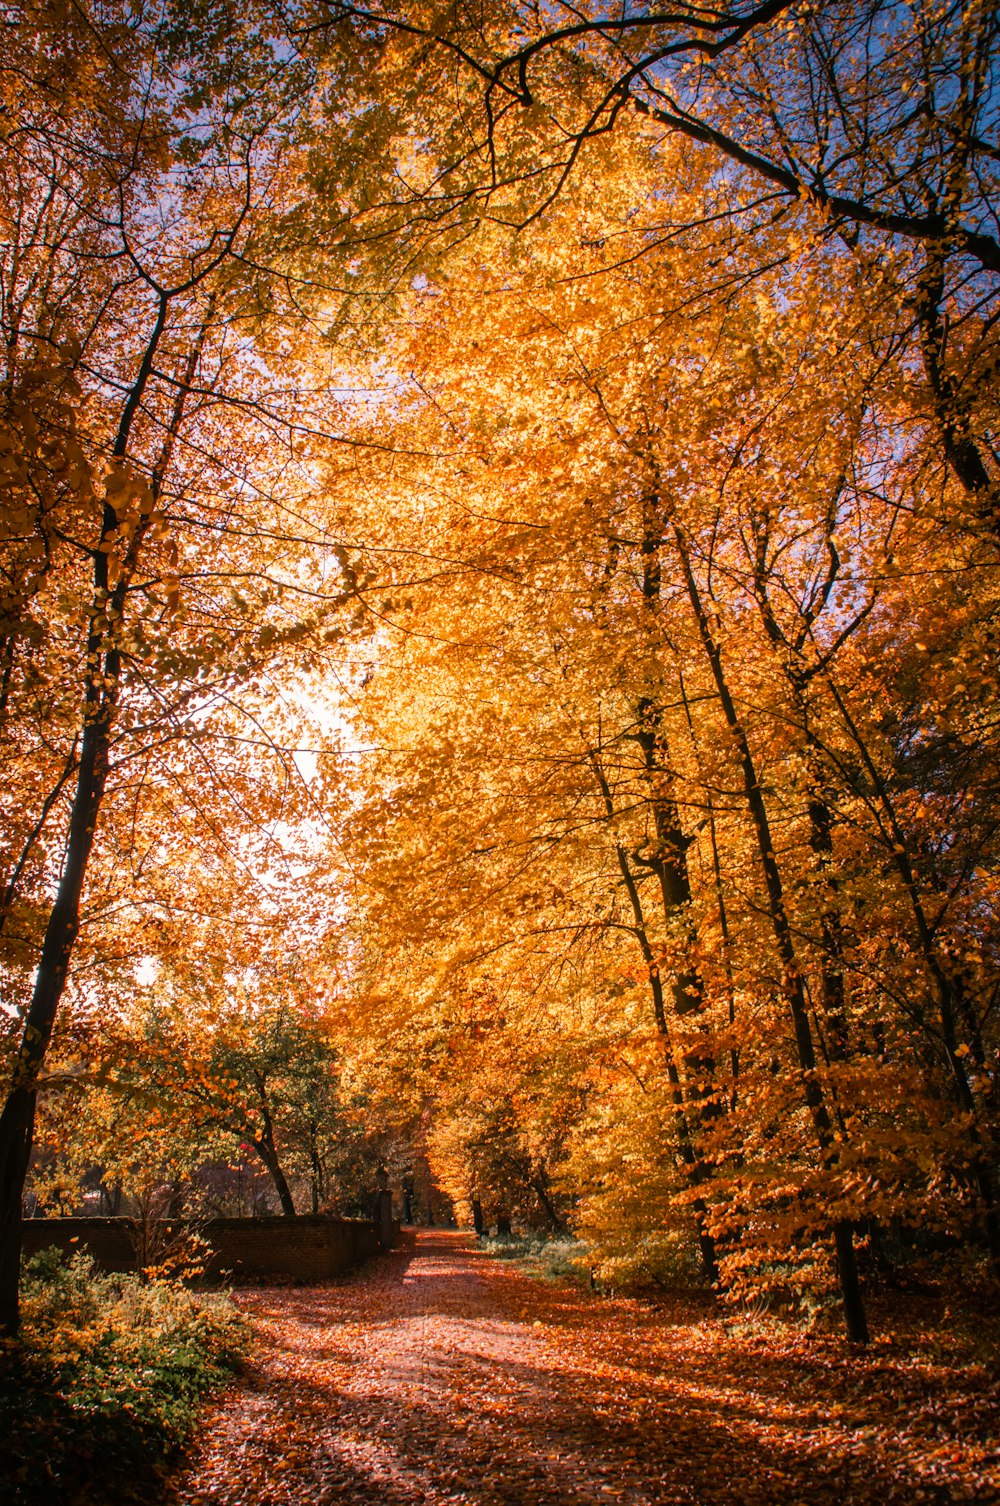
384	1216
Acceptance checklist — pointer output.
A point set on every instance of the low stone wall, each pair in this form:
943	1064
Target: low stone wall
307	1248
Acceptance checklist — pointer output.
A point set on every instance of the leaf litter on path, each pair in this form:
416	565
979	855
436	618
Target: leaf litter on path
440	1376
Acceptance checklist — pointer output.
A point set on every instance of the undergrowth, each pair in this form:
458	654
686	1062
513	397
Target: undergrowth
105	1380
640	1266
544	1257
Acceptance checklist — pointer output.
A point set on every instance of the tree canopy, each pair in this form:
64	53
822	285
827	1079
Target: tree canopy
497	655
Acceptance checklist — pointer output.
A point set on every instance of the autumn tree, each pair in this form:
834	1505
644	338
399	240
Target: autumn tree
262	1078
879	119
154	542
665	535
646	586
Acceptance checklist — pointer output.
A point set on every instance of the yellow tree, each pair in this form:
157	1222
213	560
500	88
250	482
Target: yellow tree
162	532
664	529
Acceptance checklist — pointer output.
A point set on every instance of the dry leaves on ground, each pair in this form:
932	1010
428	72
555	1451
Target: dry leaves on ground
440	1376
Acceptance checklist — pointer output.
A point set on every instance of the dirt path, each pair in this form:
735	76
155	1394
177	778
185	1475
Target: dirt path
441	1376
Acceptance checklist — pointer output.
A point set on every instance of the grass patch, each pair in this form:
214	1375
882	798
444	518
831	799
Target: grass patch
545	1259
641	1267
106	1380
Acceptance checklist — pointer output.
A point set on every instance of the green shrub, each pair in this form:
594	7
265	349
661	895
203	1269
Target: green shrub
564	1259
618	1261
105	1380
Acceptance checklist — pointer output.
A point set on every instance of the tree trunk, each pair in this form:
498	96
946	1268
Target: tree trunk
685	1144
720	899
16	1125
269	1157
100	701
539	1188
951	405
670	863
850	1286
316	1168
18	1116
847	1270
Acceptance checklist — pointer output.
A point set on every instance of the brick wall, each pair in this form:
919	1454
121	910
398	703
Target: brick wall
304	1249
106	1240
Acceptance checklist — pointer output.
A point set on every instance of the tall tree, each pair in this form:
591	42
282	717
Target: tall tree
598	419
158	468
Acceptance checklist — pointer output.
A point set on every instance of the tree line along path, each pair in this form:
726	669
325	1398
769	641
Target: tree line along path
440	1375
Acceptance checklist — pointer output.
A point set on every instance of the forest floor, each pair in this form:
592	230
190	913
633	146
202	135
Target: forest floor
439	1375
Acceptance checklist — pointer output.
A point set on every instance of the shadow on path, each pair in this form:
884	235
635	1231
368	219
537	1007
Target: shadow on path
442	1376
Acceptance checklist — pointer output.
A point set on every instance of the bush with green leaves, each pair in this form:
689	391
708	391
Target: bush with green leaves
106	1379
549	1259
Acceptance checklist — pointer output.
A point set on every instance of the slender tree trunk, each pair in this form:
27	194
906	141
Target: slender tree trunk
266	1149
951	406
541	1192
693	1163
831	929
720	894
100	702
18	1116
850	1288
798	674
820	815
315	1166
671	843
946	988
687	987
